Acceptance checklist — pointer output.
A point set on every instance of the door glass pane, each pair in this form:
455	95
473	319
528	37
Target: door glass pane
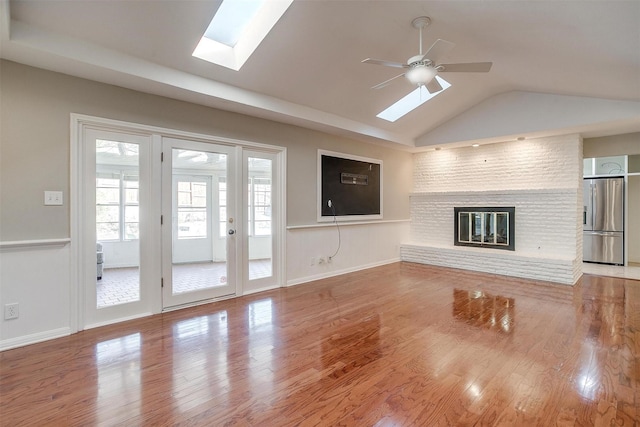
259	221
199	258
117	237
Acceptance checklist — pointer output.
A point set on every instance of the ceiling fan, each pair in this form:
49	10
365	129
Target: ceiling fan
423	68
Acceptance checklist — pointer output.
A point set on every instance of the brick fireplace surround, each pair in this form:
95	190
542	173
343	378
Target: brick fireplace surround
540	177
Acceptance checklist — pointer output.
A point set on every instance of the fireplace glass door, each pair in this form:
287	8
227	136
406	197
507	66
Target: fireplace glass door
486	227
476	227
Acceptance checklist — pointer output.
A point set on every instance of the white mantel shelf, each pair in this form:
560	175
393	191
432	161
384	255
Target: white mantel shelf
494	192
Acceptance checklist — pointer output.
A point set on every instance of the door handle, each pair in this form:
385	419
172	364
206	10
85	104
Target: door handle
232	232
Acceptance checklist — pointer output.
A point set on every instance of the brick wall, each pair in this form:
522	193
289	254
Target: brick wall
540	177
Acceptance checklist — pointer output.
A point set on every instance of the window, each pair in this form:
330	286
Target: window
192	209
259	206
231	19
131	207
222	204
117	206
412	101
225	43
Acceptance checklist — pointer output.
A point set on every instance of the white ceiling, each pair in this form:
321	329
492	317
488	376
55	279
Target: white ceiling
308	70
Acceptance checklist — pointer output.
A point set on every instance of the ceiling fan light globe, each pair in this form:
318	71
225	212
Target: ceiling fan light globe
420	76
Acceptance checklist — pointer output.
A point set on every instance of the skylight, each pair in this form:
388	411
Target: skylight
412	101
231	19
237	29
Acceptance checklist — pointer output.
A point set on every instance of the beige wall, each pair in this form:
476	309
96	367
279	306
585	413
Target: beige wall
35	109
615	145
633	234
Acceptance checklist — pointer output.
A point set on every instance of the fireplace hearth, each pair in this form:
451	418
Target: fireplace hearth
485	227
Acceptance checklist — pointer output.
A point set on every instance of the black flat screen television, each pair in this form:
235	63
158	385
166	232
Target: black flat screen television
352	184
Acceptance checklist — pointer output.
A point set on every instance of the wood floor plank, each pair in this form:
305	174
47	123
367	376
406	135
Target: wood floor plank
402	344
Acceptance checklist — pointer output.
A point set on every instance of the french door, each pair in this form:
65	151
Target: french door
116	210
162	221
199	224
261	245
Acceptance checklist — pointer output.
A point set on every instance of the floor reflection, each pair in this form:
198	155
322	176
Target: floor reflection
609	313
484	310
260	313
260	321
200	360
119	367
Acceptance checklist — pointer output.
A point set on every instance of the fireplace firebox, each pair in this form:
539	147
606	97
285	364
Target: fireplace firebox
492	227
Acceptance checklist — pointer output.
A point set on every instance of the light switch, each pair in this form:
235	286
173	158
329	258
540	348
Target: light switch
53	198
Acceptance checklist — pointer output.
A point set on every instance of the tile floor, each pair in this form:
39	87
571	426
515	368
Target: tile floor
631	271
121	285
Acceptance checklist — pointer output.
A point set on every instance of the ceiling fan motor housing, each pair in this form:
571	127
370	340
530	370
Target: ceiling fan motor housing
418	61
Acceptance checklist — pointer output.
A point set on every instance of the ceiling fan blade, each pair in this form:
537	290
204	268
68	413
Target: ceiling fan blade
385	63
386	82
469	67
438	49
434	86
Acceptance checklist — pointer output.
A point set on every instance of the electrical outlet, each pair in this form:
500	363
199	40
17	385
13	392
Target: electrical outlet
11	311
322	260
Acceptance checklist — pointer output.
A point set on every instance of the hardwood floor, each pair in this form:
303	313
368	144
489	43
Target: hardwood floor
398	345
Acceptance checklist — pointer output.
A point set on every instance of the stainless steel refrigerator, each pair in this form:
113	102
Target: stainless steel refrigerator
603	221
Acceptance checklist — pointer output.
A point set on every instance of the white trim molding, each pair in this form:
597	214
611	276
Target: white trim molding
345	224
33	244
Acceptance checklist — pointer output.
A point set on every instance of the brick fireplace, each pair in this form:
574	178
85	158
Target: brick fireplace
538	178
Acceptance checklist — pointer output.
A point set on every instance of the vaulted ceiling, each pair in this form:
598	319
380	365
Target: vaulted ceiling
308	70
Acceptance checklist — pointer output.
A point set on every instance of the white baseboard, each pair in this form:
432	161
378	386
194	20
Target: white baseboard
307	279
114	266
263	289
34	338
118	320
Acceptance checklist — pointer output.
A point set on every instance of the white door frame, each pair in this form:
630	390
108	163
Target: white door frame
79	123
